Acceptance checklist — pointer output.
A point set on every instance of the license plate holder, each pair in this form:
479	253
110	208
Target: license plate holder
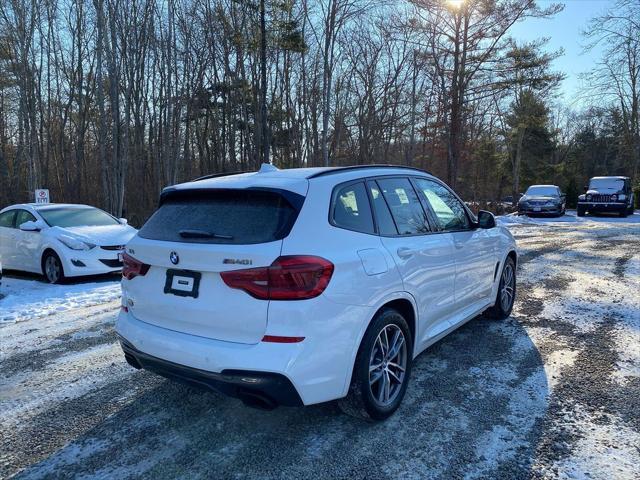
537	209
183	283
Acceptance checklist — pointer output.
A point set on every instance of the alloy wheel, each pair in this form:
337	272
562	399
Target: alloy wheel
508	287
52	269
388	365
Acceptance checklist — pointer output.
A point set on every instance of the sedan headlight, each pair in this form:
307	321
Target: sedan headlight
614	198
588	197
74	243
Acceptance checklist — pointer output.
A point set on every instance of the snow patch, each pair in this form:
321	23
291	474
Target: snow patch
28	299
604	450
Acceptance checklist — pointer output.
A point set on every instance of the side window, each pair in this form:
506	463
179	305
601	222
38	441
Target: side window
449	211
351	209
406	210
24	216
386	225
6	219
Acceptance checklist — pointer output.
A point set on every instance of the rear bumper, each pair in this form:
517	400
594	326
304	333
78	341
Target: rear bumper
319	368
261	388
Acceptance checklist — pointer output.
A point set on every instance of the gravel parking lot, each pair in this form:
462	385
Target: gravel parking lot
552	392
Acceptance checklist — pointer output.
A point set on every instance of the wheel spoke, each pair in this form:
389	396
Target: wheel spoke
386	342
397	366
398	341
377	376
375	367
379	342
387	386
382	388
394	376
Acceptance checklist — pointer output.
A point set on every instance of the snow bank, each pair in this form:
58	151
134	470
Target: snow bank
25	299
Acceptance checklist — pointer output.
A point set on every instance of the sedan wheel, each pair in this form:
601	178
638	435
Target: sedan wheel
53	268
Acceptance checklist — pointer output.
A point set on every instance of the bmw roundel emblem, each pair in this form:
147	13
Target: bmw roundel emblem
175	259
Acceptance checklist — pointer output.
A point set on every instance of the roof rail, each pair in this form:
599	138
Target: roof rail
222	174
360	167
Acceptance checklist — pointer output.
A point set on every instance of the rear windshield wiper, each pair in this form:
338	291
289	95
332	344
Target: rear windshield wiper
203	234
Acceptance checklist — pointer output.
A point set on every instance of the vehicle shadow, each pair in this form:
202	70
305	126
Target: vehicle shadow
473	408
104	278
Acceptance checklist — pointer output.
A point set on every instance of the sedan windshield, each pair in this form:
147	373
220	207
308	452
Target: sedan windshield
76	217
611	184
542	191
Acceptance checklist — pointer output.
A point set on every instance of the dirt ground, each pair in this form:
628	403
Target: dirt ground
552	392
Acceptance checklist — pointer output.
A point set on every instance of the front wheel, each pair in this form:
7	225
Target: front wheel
506	295
52	268
382	367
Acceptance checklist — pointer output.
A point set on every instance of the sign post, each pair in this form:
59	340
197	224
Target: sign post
42	195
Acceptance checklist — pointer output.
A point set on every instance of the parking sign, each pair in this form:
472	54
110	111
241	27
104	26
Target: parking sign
42	195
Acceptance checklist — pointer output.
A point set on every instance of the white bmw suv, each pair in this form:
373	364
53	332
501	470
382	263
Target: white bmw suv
294	287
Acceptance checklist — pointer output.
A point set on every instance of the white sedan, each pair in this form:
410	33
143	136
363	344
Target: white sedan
62	240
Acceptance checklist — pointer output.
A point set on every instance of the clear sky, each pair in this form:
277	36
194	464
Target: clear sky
564	31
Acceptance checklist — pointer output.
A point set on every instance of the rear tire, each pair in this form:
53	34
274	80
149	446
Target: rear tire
506	295
580	211
52	268
382	368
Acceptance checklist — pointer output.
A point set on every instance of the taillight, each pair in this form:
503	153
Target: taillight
295	277
132	268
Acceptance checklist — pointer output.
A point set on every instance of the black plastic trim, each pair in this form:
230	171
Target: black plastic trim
234	383
172	272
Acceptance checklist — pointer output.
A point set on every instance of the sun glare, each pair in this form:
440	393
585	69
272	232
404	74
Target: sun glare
455	3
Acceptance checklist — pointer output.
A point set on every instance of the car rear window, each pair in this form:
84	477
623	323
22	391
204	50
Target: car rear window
221	216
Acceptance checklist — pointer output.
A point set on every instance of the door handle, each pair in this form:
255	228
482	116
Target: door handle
458	245
404	252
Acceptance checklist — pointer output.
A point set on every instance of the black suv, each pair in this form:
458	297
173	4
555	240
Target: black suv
607	194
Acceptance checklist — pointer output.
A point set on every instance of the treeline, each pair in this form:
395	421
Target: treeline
108	101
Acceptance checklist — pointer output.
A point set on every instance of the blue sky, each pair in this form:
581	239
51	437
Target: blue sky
564	31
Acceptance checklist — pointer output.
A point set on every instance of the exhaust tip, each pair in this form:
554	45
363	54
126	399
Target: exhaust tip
256	400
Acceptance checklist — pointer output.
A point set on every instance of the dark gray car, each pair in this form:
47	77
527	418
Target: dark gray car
542	200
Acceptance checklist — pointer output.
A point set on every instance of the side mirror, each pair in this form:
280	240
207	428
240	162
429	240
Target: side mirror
124	221
486	219
31	226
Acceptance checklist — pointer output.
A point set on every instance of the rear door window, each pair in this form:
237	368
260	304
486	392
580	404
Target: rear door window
351	209
386	225
406	210
221	216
